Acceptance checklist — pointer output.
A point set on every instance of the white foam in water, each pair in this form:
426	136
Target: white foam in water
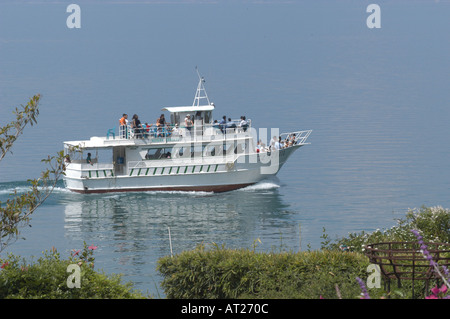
8	191
62	190
113	196
24	189
264	185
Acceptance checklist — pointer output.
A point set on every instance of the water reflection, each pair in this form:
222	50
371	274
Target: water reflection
131	229
193	217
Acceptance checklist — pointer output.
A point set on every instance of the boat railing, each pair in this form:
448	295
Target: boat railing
296	138
86	170
175	133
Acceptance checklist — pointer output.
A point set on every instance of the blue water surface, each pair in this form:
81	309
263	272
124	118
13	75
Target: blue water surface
377	101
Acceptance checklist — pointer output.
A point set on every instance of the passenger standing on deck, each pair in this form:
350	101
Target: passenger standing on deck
136	124
88	159
161	124
188	124
123	125
223	124
161	121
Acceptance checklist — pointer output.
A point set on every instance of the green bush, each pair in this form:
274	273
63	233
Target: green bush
47	278
242	273
433	223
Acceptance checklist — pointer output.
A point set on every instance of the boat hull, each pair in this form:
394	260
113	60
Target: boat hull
218	177
209	188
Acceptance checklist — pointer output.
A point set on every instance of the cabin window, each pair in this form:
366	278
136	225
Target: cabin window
207	118
211	150
101	155
158	153
197	150
240	148
180	152
175	118
228	148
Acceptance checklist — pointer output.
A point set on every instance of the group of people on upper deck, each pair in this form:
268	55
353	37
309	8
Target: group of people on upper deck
225	125
139	130
163	128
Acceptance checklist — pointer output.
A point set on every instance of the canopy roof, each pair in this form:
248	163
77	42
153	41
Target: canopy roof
192	109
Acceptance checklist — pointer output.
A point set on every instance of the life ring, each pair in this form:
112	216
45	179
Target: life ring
230	166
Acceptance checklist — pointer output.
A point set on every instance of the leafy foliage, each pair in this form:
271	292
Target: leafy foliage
432	222
243	273
47	278
10	132
16	211
328	273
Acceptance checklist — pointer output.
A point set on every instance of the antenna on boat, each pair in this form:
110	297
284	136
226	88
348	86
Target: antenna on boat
200	90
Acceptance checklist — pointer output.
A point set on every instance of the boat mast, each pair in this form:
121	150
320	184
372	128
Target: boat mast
200	90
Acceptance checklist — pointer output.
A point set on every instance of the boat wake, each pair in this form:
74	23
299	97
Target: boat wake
261	186
7	189
22	187
195	193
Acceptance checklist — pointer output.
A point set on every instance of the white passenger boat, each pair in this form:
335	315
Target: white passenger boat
197	155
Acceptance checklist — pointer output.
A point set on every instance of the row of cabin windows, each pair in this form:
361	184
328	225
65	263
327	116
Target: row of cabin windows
189	151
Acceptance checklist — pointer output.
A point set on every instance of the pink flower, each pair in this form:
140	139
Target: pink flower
443	289
436	291
92	247
75	252
4	265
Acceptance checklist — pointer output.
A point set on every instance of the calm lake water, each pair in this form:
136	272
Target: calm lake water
377	101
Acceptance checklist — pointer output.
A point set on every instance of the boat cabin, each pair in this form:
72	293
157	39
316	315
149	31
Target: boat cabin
196	113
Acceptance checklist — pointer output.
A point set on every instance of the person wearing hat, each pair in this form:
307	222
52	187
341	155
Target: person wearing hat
176	130
188	124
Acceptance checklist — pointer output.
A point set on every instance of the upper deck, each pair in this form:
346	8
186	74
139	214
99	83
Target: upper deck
187	124
169	134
